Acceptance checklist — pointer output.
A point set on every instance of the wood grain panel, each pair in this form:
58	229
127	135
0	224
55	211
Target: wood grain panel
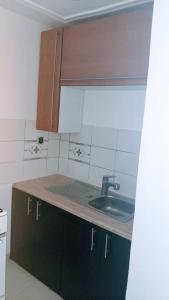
104	82
49	86
113	47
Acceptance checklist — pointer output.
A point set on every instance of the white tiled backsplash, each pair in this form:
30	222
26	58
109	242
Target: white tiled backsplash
21	156
98	151
87	156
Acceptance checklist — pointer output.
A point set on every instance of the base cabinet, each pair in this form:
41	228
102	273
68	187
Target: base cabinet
80	265
78	260
36	238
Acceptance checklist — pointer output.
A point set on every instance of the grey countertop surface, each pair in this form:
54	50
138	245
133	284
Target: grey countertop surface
73	196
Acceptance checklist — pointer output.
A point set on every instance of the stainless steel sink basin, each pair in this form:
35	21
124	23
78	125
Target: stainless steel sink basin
113	207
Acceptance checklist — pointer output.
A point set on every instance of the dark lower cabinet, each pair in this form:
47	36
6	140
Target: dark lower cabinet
95	263
36	238
80	265
113	266
22	230
78	260
48	244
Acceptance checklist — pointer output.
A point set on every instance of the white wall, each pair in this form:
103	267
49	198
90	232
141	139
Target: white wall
118	107
19	56
149	266
19	60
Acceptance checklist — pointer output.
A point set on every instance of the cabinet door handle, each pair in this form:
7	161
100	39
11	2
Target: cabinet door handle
38	204
29	210
92	239
106	245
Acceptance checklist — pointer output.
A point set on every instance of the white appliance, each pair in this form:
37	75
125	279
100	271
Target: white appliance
3	230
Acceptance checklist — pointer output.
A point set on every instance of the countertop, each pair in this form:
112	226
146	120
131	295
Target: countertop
73	196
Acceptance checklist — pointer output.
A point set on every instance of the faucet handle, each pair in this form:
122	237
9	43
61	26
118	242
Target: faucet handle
116	186
107	177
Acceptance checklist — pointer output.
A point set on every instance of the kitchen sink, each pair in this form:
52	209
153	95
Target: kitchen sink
113	207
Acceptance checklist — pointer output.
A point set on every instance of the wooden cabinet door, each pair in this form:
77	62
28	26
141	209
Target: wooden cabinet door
49	80
109	50
79	274
114	264
48	244
23	230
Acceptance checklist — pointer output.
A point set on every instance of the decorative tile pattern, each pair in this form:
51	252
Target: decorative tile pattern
35	150
79	152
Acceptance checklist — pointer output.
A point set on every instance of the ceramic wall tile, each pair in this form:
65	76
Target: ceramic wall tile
104	137
31	133
79	152
12	130
52	165
10	172
35	168
87	156
78	170
53	148
129	141
84	137
64	149
35	150
96	174
54	136
126	163
127	185
11	151
63	166
104	158
65	136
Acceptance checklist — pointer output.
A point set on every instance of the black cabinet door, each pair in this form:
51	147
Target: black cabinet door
71	256
48	244
80	266
114	263
23	230
36	238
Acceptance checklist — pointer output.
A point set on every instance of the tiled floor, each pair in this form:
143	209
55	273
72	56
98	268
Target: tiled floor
20	285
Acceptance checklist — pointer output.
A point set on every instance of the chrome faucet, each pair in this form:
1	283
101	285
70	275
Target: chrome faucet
106	184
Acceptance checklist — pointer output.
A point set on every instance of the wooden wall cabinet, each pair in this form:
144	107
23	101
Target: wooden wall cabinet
58	109
108	51
112	50
49	80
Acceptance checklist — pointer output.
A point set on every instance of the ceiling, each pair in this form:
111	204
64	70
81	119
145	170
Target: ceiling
53	12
